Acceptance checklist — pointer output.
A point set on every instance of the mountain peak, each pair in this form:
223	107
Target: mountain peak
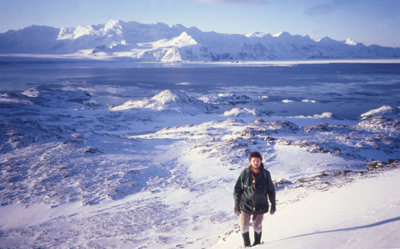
282	34
257	35
162	25
184	36
184	39
177	26
351	42
327	40
113	25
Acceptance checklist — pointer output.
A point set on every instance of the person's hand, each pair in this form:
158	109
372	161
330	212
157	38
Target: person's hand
273	209
236	210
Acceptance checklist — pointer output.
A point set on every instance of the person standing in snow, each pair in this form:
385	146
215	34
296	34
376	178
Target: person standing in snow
252	190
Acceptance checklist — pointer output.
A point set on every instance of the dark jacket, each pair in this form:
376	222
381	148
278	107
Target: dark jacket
253	198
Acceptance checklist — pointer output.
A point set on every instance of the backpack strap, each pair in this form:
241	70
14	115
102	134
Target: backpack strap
246	174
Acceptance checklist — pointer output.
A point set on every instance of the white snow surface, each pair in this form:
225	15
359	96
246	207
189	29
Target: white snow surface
159	42
361	214
158	172
386	111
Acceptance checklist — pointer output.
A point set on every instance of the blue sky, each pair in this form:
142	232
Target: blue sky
366	21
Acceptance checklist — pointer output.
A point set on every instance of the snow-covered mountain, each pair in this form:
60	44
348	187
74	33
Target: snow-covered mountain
160	42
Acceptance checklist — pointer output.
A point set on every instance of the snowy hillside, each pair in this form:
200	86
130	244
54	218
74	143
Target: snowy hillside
162	43
331	218
158	171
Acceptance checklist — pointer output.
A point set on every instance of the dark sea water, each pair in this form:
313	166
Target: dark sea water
345	89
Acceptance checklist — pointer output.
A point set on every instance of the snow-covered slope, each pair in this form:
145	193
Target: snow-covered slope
167	100
162	43
351	216
158	172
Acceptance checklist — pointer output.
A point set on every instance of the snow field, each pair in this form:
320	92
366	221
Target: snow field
159	172
361	214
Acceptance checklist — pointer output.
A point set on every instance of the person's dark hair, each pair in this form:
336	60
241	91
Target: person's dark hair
255	154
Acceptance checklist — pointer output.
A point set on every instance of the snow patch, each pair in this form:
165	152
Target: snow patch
385	111
165	100
235	112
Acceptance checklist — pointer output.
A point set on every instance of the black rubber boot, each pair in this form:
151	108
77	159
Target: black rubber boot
257	238
246	239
